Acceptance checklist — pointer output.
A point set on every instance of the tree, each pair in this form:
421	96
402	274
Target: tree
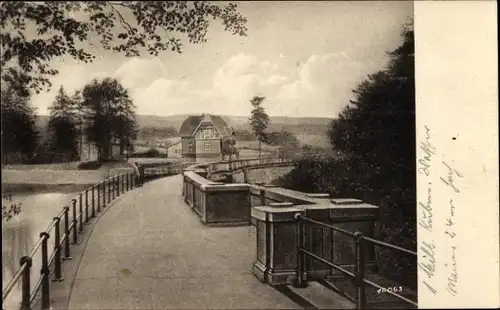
79	113
34	33
287	142
377	133
110	115
9	209
62	127
259	120
377	130
124	122
374	142
19	135
156	132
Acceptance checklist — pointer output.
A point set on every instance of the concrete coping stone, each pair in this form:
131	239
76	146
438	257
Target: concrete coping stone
354	206
318	195
223	187
280	204
271	214
268	209
270	185
346	201
196	178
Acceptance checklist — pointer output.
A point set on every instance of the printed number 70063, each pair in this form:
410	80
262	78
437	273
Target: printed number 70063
393	289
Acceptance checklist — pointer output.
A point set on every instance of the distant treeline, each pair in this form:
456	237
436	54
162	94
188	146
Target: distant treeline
148	132
293	129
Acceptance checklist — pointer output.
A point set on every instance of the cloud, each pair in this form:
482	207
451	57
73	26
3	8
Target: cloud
323	83
139	73
243	76
320	86
240	77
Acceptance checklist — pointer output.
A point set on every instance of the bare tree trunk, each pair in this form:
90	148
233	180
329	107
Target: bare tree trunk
260	145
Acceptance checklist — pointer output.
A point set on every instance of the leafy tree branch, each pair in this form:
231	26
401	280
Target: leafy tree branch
34	33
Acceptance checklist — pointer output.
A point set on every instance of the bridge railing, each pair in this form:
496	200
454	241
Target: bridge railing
239	164
326	231
358	276
164	170
65	228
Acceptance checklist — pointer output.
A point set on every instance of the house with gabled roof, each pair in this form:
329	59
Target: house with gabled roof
202	137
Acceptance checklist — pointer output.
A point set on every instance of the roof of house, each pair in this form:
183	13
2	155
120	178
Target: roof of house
172	145
191	124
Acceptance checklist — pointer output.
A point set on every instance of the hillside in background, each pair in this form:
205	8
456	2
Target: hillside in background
309	130
296	125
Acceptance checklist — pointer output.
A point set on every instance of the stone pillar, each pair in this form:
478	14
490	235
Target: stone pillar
352	215
245	176
318	240
276	261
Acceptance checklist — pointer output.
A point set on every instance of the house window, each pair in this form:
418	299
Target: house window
190	146
207	134
208	145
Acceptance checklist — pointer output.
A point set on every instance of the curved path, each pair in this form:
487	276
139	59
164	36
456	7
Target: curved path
150	251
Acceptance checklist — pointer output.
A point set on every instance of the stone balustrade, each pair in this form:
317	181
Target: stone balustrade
240	164
216	203
272	211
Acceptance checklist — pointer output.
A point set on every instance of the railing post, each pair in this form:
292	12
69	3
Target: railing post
127	176
80	207
113	189
117	185
109	190
45	271
75	223
67	254
99	197
93	201
104	193
26	290
57	249
360	271
86	206
300	282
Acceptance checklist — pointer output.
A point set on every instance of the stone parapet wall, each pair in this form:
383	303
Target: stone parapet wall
272	211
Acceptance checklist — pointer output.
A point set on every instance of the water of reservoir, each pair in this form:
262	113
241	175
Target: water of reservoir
20	234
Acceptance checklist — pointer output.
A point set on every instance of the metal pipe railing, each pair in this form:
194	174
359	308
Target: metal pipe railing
62	240
358	276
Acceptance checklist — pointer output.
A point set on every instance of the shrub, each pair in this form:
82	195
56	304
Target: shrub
90	165
152	152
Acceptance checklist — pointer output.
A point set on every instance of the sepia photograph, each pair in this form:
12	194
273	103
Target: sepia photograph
211	155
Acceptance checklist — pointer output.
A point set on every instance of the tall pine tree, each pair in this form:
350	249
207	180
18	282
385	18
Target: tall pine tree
63	131
259	120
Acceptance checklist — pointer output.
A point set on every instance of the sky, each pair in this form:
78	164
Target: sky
304	57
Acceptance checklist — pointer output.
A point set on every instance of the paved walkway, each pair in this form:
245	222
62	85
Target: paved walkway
150	251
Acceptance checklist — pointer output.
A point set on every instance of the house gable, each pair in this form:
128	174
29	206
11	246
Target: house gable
206	123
